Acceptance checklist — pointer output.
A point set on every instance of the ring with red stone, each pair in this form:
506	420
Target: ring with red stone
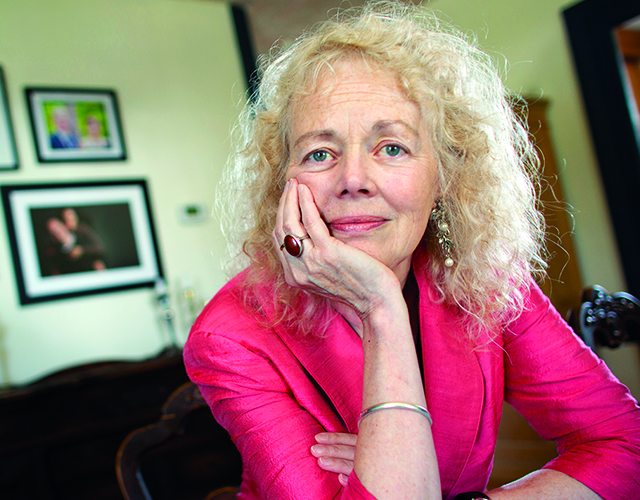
293	244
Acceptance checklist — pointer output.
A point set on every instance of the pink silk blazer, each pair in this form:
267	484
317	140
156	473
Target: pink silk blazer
273	391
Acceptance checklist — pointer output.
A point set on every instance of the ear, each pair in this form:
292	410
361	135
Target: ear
436	199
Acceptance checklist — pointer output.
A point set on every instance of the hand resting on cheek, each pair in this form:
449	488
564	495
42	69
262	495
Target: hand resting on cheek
327	266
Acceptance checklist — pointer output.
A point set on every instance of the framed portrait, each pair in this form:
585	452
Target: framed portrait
69	240
8	152
75	125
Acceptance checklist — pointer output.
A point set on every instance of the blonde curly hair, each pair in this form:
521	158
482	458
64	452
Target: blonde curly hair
487	166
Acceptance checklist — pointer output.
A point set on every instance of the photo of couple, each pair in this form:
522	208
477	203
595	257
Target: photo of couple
83	239
76	125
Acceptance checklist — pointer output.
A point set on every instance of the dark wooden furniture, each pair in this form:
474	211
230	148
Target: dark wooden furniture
563	282
227	493
185	454
59	436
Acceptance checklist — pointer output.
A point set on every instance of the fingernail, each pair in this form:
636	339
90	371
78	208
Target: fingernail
318	449
321	438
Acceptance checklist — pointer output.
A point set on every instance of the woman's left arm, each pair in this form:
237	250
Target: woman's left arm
336	453
543	484
568	394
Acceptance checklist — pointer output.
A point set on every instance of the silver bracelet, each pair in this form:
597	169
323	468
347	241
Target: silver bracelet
392	405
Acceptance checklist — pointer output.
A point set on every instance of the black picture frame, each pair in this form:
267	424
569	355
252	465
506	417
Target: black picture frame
590	26
113	245
8	151
247	52
75	124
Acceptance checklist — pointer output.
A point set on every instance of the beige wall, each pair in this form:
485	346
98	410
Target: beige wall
175	68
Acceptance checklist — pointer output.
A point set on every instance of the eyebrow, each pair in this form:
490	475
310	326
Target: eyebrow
380	127
324	134
383	126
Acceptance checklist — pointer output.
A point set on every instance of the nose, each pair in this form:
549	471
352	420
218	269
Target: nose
355	176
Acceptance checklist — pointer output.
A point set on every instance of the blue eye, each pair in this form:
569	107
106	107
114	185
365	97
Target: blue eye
319	156
393	150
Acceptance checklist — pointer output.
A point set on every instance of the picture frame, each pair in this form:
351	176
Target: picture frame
8	151
75	124
74	239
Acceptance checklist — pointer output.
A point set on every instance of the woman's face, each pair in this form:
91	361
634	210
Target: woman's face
363	150
93	126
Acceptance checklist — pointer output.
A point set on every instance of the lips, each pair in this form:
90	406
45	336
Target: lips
357	224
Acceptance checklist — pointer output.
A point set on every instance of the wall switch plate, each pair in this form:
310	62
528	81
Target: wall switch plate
192	213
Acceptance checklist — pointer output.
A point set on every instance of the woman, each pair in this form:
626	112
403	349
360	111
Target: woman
391	242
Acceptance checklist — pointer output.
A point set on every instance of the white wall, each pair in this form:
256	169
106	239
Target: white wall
175	67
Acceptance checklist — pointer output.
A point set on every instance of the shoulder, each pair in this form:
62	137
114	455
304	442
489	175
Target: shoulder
227	336
226	305
538	315
540	344
238	317
229	314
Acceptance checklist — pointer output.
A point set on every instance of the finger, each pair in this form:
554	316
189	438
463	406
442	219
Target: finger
346	452
336	438
338	466
278	231
343	479
291	217
284	199
278	234
311	219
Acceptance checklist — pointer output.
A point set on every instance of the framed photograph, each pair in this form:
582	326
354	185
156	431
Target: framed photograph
8	153
75	125
69	240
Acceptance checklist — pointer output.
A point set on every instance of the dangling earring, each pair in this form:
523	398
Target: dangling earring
439	217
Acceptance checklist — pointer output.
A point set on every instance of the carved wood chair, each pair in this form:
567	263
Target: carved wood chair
185	454
604	319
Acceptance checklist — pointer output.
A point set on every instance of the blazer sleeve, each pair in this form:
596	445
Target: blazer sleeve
249	396
569	395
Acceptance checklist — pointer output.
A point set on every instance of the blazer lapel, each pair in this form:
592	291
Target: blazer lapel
454	384
335	362
454	379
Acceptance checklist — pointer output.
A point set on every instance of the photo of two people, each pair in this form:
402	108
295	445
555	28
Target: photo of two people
76	125
83	239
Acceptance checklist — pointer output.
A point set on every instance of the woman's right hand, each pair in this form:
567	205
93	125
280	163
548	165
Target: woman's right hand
355	281
328	266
